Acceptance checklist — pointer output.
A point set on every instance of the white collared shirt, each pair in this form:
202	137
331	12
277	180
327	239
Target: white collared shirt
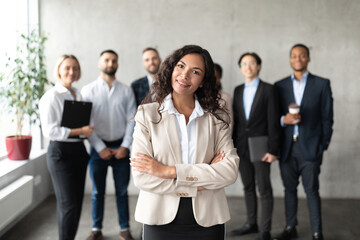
51	107
112	113
187	133
150	80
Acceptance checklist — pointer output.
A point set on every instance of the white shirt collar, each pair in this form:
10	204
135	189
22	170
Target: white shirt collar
253	83
61	89
104	83
150	80
303	78
168	105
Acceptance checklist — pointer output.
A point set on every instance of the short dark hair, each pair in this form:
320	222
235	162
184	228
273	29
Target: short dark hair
151	49
254	55
109	51
218	68
303	46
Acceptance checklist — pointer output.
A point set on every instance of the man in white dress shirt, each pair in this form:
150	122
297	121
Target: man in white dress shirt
112	116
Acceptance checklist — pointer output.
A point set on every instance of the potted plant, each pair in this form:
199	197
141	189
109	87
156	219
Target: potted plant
21	88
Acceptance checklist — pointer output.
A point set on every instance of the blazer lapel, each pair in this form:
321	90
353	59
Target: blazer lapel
289	86
258	94
307	91
145	84
202	138
172	135
241	103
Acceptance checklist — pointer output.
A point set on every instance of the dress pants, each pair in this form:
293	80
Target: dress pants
291	169
67	162
252	174
184	227
121	174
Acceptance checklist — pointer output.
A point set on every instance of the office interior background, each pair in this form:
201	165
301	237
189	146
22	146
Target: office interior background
226	28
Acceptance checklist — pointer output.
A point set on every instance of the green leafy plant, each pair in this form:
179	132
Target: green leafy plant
25	81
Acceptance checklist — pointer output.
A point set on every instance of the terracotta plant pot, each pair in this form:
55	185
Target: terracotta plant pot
18	147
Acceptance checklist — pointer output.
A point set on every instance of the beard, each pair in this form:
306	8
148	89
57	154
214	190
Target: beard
110	71
153	70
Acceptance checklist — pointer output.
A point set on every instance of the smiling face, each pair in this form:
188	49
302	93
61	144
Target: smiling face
69	72
299	59
188	75
151	61
249	68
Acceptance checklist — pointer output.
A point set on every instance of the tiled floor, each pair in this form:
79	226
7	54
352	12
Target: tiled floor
341	220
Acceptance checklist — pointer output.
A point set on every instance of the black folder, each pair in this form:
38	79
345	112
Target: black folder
76	114
258	147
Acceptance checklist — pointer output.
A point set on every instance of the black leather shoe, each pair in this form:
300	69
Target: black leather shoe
264	236
318	236
246	229
287	234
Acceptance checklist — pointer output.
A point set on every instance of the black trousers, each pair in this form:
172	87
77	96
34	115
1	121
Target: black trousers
184	227
291	170
253	174
67	164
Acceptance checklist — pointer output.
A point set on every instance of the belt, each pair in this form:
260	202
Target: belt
295	138
113	143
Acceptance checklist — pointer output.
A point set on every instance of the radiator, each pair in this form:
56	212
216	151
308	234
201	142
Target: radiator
15	199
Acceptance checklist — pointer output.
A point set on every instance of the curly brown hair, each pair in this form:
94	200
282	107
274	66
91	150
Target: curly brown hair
208	95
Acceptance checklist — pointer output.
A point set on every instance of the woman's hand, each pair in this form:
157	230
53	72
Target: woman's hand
145	164
219	156
87	131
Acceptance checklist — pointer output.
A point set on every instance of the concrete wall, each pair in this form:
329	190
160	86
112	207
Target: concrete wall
227	28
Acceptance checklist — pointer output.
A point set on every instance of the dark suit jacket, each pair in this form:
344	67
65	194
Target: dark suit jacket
141	89
263	120
316	110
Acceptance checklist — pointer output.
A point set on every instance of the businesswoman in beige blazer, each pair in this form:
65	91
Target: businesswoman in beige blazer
182	153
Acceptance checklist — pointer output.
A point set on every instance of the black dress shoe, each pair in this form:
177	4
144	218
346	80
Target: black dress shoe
264	236
318	236
246	229
287	234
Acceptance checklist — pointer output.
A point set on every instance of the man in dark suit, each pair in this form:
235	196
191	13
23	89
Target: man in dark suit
256	113
305	135
151	61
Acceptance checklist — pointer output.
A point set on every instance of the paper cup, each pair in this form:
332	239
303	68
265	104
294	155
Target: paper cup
294	110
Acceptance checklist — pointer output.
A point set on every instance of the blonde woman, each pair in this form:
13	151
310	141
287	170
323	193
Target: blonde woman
67	157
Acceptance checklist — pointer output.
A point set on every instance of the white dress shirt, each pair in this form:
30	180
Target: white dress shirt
51	108
150	80
112	113
187	132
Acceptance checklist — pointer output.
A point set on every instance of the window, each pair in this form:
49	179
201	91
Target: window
16	16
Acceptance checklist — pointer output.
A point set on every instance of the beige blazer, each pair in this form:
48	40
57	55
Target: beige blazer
159	198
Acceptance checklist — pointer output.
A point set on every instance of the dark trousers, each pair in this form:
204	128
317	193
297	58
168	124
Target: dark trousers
121	173
67	164
252	174
184	227
291	170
